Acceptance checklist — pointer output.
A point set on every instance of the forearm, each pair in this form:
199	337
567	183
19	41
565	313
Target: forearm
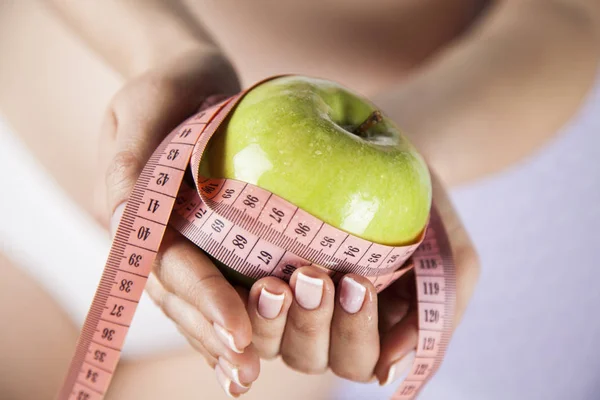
502	90
133	36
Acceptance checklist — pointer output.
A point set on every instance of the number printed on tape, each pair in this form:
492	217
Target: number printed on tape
256	233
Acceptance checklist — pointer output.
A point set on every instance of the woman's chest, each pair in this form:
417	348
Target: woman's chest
364	45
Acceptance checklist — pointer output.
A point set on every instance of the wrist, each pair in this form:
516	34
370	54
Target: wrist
157	53
157	38
134	36
192	75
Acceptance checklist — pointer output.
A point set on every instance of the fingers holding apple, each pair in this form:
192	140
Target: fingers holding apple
397	304
268	303
316	326
398	327
354	348
185	284
207	310
305	342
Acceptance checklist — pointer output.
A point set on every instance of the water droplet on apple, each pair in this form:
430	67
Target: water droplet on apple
318	152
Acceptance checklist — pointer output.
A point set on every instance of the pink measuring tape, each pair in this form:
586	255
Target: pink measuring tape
255	233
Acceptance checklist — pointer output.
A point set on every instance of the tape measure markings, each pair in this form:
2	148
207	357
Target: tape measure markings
255	233
104	336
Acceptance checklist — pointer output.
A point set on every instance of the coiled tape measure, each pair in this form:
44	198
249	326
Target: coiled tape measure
256	233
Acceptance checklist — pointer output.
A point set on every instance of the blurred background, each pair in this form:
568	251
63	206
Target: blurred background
47	76
534	224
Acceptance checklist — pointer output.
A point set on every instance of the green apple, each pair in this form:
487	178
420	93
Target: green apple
329	151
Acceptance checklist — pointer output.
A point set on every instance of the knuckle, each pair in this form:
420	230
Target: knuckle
156	298
353	334
199	333
123	161
164	301
166	304
120	174
305	327
165	262
266	332
155	290
160	299
265	352
205	284
171	307
301	363
346	371
162	85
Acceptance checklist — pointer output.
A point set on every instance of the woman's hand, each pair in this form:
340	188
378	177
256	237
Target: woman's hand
315	326
184	283
398	327
312	324
359	335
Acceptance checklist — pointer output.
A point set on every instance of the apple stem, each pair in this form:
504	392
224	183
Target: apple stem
371	120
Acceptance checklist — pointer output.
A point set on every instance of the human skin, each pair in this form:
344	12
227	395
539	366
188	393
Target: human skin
525	52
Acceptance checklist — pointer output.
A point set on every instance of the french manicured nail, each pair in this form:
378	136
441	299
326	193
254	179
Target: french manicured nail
232	389
226	337
400	368
232	372
309	291
224	381
352	295
116	218
269	304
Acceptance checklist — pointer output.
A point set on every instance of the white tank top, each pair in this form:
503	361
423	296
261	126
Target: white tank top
63	248
529	333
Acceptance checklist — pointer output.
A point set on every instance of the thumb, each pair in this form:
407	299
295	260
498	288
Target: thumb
147	109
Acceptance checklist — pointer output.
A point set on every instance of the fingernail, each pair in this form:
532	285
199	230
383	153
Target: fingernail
400	368
232	371
232	389
269	304
352	295
226	337
224	381
309	291
116	218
